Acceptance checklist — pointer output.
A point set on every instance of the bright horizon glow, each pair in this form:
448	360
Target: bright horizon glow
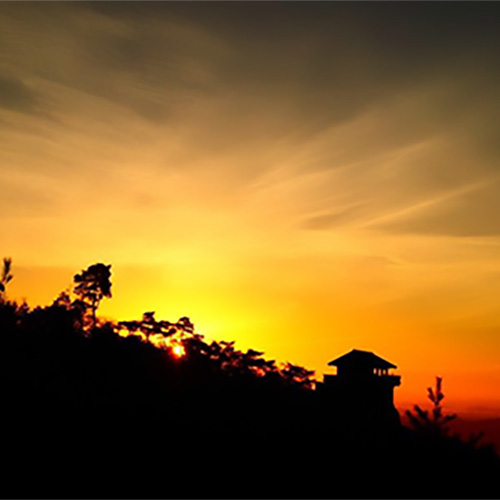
302	178
178	351
478	399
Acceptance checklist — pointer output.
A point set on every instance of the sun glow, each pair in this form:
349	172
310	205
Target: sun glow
178	350
173	343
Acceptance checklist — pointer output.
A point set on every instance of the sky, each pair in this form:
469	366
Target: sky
304	178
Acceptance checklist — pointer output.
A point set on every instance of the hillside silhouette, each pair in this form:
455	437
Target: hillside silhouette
148	408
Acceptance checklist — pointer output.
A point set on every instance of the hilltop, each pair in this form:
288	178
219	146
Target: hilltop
148	408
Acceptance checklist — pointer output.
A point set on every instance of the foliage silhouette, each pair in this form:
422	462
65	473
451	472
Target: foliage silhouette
91	286
149	326
6	276
435	422
111	412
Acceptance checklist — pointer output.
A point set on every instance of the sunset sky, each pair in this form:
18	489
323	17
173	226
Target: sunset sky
303	178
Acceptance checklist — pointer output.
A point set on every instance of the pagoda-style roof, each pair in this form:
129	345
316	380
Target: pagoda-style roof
361	358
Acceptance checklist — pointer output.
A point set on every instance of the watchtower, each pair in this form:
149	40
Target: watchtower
363	384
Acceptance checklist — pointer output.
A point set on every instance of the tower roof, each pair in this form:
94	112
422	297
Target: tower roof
361	358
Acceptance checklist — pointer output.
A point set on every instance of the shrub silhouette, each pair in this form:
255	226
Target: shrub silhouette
436	422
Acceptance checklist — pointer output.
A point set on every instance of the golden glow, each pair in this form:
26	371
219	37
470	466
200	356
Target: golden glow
125	333
178	351
300	213
173	343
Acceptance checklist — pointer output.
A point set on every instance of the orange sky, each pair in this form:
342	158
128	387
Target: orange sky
303	178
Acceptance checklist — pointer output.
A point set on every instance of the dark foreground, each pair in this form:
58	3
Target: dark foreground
87	413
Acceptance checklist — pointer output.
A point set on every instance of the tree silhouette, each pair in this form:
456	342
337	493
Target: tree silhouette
435	422
63	300
149	326
92	285
249	422
6	276
298	375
